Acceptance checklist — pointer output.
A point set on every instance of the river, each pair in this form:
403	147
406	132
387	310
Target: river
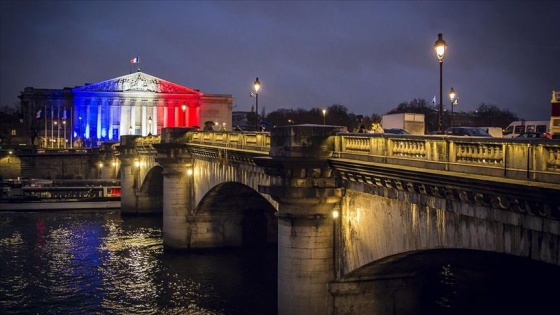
99	262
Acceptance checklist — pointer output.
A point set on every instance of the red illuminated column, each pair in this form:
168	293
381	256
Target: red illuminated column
194	115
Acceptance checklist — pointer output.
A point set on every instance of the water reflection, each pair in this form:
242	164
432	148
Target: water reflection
83	263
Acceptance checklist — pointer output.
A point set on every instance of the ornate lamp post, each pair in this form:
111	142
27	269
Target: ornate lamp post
440	47
150	125
257	87
452	97
324	115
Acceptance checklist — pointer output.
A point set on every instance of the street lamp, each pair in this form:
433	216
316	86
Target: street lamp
257	87
452	97
440	47
150	125
324	115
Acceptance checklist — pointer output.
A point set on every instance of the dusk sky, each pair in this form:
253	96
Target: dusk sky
366	55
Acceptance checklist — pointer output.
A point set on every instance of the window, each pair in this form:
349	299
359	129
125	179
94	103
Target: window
541	128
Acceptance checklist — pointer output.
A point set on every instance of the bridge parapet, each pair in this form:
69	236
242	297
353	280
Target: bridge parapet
250	141
510	158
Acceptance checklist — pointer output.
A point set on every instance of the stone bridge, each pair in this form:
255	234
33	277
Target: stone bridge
355	216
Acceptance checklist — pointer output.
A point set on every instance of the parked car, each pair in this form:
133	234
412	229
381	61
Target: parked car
396	131
533	135
467	131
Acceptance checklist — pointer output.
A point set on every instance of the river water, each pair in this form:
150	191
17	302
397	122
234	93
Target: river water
103	263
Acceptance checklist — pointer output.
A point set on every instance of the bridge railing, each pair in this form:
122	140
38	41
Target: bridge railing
245	140
535	160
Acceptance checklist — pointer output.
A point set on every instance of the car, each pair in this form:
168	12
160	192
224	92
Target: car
467	131
533	135
396	131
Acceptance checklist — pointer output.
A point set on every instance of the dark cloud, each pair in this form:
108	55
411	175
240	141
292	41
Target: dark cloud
366	55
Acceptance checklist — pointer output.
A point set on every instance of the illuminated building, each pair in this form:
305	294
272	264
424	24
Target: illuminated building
133	104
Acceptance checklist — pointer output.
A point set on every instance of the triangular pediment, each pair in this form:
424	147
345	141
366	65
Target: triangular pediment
136	82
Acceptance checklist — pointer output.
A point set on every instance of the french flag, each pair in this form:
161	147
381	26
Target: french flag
135	60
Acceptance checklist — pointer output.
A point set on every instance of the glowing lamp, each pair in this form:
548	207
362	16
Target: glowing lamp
257	86
440	47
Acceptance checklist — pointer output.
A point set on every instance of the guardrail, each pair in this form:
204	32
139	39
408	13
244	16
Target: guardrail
243	140
521	159
535	160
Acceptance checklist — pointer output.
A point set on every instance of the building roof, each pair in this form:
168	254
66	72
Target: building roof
137	82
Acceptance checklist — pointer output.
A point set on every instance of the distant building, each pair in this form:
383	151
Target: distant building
12	131
133	104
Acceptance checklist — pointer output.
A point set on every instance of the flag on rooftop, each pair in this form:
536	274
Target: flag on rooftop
39	114
135	60
434	100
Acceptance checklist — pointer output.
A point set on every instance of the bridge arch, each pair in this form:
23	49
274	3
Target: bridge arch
447	281
247	218
150	193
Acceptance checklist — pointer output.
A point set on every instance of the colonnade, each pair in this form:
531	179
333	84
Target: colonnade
110	118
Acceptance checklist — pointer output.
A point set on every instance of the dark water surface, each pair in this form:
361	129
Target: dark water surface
104	263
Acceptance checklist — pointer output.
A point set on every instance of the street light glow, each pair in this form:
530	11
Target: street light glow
452	95
440	47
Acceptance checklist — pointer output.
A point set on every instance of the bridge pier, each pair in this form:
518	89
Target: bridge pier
304	187
177	205
129	175
178	189
128	187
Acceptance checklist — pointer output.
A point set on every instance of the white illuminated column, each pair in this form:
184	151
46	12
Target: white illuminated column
64	124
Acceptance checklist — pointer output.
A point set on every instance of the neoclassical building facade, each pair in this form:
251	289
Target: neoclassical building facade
133	104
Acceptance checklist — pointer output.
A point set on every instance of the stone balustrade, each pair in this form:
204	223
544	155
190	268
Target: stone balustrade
252	141
535	160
